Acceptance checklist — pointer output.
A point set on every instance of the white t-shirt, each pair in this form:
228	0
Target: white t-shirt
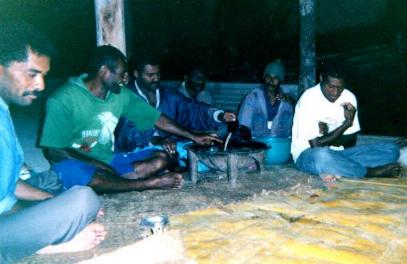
312	108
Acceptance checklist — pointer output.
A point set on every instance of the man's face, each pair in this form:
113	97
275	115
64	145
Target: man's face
333	88
196	82
22	81
116	78
149	78
271	83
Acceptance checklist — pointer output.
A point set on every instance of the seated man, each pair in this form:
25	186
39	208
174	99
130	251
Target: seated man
50	222
78	132
267	111
194	87
324	134
184	111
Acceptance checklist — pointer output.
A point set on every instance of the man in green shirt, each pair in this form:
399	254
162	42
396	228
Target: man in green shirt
78	132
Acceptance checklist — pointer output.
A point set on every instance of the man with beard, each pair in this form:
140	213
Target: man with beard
34	215
186	112
324	133
194	87
81	117
267	111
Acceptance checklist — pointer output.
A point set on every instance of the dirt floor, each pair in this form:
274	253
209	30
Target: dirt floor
124	211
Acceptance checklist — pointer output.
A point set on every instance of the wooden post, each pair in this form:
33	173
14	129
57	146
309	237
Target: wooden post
110	23
307	45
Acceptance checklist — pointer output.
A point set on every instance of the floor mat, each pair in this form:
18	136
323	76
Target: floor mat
355	222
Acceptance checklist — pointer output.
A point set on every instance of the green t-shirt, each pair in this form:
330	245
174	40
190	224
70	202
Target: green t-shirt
77	119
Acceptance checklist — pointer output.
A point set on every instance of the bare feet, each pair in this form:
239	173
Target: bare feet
329	178
168	180
387	171
88	238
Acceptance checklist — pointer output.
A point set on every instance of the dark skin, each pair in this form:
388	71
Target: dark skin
272	88
148	81
336	137
195	83
149	173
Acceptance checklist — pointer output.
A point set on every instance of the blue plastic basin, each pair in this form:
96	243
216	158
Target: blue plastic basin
279	151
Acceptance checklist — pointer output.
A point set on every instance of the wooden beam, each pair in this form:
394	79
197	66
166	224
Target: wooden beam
110	23
307	45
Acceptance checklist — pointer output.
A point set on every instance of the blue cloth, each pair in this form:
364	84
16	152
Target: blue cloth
188	113
11	159
253	114
75	172
349	163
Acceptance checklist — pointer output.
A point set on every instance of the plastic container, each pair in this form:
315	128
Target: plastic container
279	151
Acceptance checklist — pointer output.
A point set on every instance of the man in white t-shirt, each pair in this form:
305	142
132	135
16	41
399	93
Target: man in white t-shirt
324	134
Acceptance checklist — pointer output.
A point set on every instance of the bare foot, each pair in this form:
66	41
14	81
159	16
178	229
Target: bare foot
88	238
168	180
100	213
388	171
329	178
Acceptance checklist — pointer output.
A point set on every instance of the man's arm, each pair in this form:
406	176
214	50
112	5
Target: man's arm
169	126
27	192
192	114
54	155
337	137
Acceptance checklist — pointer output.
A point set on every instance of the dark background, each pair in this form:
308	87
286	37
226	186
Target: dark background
233	41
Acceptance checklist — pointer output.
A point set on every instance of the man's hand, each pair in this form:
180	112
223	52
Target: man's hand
168	144
229	117
26	192
323	128
205	139
349	112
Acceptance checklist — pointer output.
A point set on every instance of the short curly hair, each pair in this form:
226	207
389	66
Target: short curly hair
17	38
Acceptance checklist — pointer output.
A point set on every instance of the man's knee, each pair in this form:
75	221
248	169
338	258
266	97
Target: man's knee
162	159
321	155
315	160
85	199
393	150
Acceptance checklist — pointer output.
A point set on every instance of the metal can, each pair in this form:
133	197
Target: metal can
156	224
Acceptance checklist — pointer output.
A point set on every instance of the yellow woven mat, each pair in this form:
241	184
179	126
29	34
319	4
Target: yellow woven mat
356	222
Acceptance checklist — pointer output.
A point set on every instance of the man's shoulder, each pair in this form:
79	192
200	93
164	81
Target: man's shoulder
311	94
69	88
348	93
255	93
172	94
347	96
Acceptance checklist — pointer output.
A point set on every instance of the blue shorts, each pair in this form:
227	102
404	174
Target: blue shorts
75	172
